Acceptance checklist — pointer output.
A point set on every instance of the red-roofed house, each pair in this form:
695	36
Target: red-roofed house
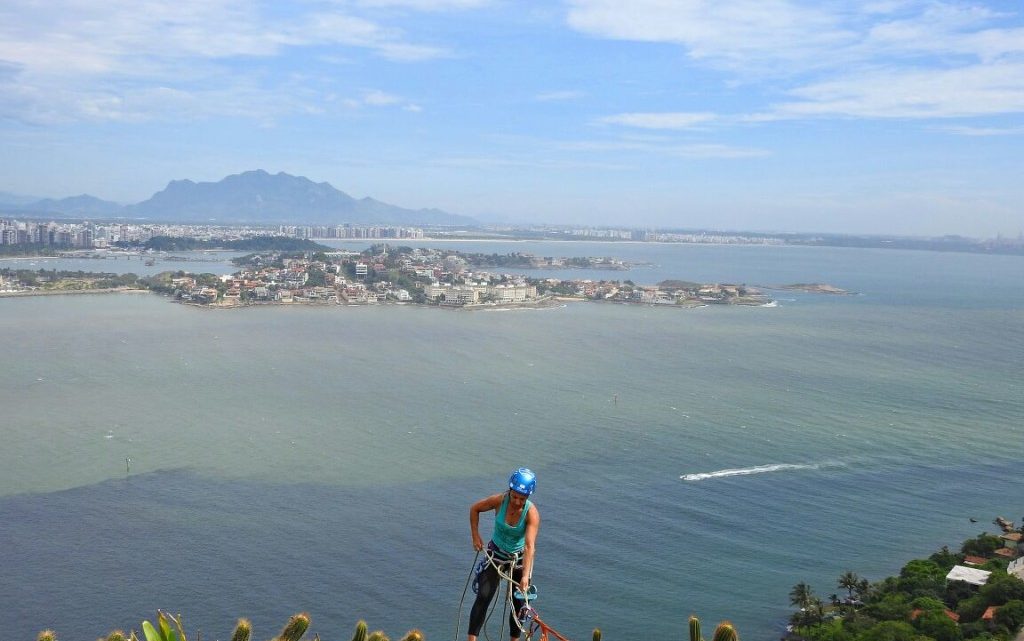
975	560
990	613
949	613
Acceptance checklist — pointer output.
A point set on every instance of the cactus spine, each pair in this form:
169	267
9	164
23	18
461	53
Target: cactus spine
695	629
243	630
360	634
597	634
116	635
413	635
295	628
377	635
725	632
47	635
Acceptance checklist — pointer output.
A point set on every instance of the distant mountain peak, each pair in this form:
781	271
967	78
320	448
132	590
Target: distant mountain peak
255	196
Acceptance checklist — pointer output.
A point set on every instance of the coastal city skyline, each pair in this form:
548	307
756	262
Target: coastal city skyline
885	117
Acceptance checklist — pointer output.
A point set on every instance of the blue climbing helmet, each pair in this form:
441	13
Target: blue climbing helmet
523	481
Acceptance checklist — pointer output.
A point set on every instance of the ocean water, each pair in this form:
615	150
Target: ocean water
689	461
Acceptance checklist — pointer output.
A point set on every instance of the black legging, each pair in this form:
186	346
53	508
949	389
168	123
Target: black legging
487	585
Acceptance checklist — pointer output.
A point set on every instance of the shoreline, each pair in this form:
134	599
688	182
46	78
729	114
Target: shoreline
71	292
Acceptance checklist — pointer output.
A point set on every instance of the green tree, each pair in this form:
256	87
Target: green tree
889	631
810	606
849	581
922	577
982	545
971	609
1011	615
1002	589
891	607
945	559
938	626
315	277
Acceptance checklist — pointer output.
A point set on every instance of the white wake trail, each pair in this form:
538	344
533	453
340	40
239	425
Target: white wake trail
758	469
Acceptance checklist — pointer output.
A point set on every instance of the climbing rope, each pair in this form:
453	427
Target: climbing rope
491	558
526	619
472	572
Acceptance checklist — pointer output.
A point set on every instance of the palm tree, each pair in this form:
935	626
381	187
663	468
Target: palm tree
849	582
862	589
801	595
811	607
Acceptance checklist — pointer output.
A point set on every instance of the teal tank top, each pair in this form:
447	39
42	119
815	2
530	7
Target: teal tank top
510	538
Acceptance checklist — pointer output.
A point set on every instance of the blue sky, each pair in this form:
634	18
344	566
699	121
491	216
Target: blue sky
889	116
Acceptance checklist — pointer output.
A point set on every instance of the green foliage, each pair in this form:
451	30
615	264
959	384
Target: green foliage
30	249
849	582
116	635
163	631
946	559
982	545
596	636
173	244
891	607
256	244
47	635
928	604
243	630
360	634
315	277
835	630
377	635
1011	615
1001	589
295	628
413	635
922	577
938	626
889	631
971	609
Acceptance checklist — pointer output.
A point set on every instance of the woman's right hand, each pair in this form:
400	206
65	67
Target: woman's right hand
478	543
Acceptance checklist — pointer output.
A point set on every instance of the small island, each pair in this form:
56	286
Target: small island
815	288
386	274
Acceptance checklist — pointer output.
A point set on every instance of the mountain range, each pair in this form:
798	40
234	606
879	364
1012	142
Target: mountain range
250	197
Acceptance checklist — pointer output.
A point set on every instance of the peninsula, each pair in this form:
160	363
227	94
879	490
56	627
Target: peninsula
397	275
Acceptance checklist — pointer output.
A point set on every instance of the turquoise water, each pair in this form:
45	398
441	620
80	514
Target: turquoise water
324	458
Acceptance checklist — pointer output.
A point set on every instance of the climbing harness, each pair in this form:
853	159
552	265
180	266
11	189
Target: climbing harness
526	619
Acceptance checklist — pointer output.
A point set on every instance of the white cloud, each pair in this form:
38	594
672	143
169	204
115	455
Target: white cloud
73	60
677	120
888	59
963	130
730	33
976	90
557	96
669	149
377	98
427	5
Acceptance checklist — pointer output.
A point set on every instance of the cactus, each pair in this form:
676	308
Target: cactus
597	635
413	635
47	635
377	635
116	635
295	628
725	632
695	629
162	630
360	634
243	630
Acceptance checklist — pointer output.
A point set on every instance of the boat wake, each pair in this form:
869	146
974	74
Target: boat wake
757	469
